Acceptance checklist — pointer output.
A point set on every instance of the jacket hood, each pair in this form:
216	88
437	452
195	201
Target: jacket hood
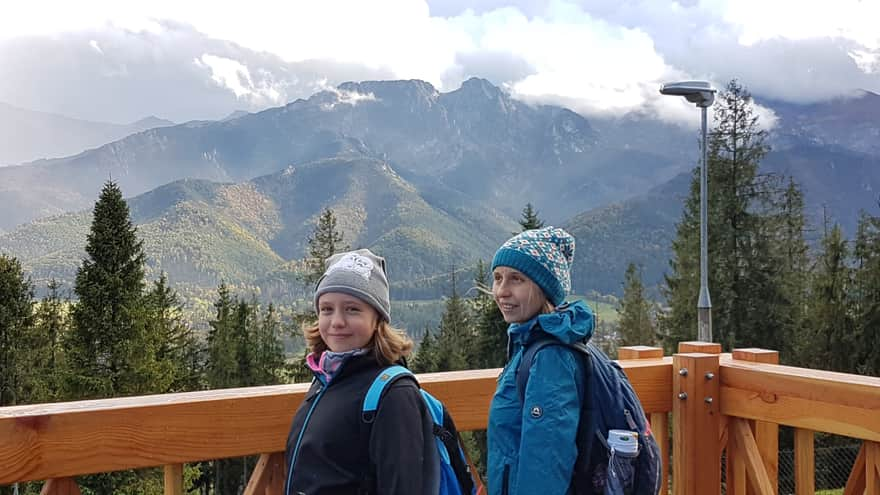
569	322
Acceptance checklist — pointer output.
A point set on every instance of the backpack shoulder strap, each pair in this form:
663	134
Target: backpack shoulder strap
541	341
385	378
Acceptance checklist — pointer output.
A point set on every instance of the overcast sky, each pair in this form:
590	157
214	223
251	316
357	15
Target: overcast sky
190	59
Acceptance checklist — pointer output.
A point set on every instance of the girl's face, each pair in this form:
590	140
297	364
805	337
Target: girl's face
518	298
345	322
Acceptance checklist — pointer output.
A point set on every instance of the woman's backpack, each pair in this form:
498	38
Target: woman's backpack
610	404
456	475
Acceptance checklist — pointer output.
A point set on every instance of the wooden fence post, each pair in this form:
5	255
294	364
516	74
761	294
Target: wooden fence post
639	352
174	479
60	486
766	434
696	454
697	346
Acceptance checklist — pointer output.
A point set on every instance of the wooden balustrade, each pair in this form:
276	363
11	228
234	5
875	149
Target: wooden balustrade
733	402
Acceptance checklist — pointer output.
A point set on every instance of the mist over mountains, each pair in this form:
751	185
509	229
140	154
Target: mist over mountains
432	180
26	135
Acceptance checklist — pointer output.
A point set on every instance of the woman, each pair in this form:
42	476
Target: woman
332	447
532	433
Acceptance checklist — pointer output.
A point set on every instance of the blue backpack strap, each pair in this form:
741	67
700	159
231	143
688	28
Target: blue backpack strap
374	393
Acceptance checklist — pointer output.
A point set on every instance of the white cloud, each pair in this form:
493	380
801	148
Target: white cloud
867	61
597	56
236	77
760	20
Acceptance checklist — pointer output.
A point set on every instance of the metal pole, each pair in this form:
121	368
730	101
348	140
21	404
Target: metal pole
704	304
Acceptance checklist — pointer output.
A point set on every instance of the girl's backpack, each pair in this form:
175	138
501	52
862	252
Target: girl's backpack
457	477
610	404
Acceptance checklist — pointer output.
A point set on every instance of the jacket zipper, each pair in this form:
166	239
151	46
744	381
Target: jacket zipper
631	422
300	437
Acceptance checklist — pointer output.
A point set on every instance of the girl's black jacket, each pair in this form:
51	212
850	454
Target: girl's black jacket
331	450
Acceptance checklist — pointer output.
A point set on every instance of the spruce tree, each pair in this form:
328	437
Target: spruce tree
233	348
16	327
268	350
221	365
453	337
490	327
747	279
108	354
831	342
530	218
109	349
178	353
636	326
323	243
425	360
242	324
793	268
680	286
51	323
867	295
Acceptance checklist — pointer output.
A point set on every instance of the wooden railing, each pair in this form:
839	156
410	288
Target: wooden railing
719	402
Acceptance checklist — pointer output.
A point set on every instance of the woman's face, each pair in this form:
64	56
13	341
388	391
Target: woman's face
345	322
518	298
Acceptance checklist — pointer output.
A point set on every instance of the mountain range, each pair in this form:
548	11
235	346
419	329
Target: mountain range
27	135
431	180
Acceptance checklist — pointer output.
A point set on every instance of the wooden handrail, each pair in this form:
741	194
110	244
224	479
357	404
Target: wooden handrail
67	439
59	441
816	400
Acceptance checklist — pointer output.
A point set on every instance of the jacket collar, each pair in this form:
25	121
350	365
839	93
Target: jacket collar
569	322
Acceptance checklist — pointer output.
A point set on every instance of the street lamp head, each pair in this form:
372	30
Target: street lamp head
699	92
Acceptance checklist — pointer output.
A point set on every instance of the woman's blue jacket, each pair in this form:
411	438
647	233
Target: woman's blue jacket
532	441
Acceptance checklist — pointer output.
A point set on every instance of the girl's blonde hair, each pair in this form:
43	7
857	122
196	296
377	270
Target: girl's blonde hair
389	344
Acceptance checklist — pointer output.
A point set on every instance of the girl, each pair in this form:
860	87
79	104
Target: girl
333	449
532	435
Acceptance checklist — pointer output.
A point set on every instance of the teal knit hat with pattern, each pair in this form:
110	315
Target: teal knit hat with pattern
545	256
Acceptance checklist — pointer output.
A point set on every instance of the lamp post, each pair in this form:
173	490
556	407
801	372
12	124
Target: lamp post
702	94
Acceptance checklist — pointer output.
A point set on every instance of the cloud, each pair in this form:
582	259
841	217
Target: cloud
597	56
346	97
136	74
236	77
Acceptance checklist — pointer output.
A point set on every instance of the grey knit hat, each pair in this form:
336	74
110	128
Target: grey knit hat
360	274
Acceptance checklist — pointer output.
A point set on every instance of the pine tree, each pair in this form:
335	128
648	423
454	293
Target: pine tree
680	288
221	365
490	327
425	360
16	323
323	243
831	344
51	323
530	218
268	350
793	269
237	341
242	322
454	332
109	349
178	353
745	269
867	295
108	354
636	325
